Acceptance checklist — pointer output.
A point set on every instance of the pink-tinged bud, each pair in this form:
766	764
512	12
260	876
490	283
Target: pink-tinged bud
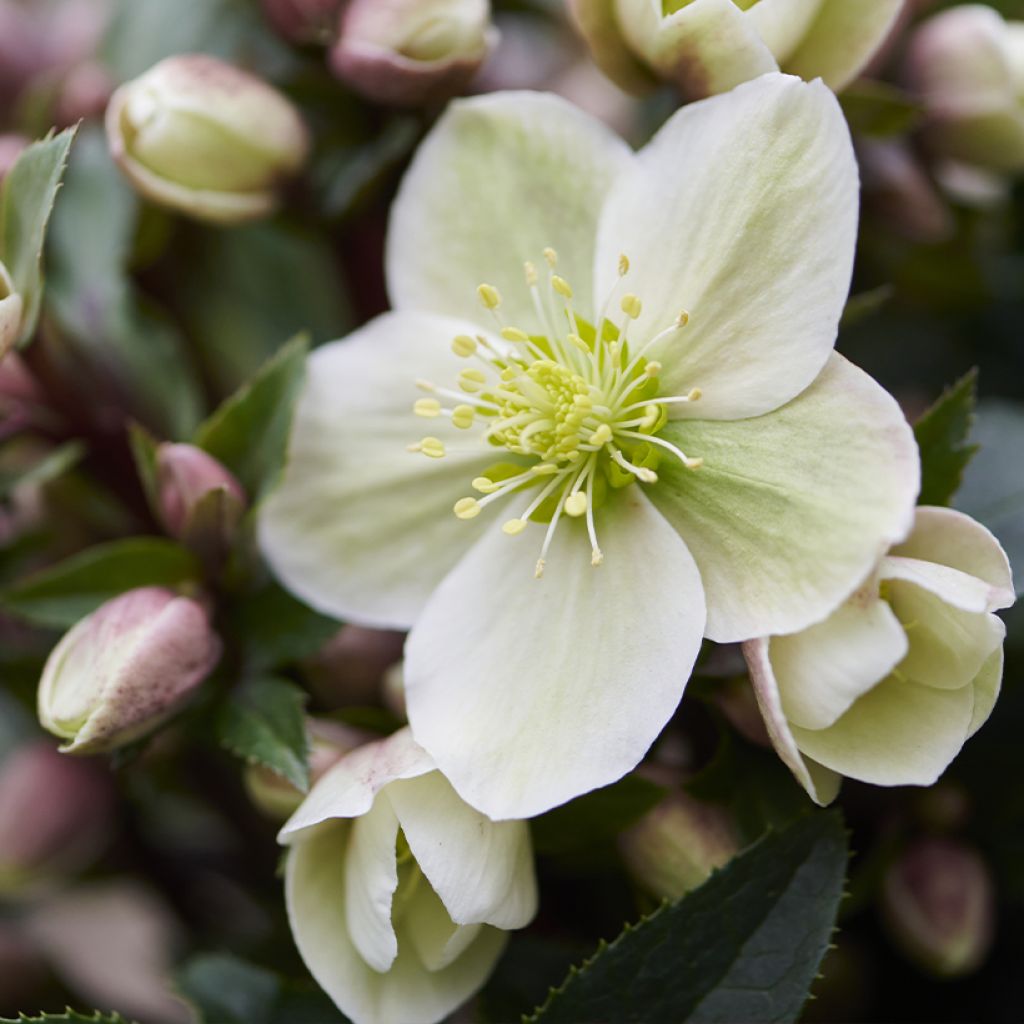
125	668
675	846
206	138
939	905
201	502
304	21
967	67
329	742
412	52
350	667
54	814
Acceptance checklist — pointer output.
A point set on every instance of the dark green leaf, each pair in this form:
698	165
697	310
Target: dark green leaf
864	304
26	200
942	434
62	594
879	109
249	432
69	1016
53	465
144	446
263	722
745	946
596	817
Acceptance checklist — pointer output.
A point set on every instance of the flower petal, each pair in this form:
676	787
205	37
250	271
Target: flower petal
742	211
482	870
986	689
791	511
823	669
371	877
899	734
706	47
359	527
500	178
783	23
438	941
408	992
821	783
947	537
842	39
598	23
348	789
530	692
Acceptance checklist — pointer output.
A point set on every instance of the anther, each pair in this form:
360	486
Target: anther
430	446
551	256
578	342
467	508
683	319
653	368
596	557
623	265
576	504
489	296
513	527
694	394
483	484
427	407
538	569
561	286
602	435
472	380
531	274
464	346
462	416
631	306
693	463
425	385
514	334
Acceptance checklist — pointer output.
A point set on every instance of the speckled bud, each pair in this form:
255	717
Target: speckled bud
304	21
206	138
125	668
412	52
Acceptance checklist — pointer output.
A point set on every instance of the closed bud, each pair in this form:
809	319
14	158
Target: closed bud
939	906
54	814
304	21
125	668
675	846
350	667
206	138
412	52
967	67
10	311
201	502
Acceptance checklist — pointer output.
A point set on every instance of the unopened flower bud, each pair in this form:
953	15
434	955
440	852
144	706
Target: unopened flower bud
939	906
125	668
675	846
205	138
304	21
412	52
350	667
10	311
329	742
201	502
967	67
54	814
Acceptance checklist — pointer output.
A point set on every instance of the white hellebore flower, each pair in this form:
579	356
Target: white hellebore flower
724	453
891	685
708	46
398	892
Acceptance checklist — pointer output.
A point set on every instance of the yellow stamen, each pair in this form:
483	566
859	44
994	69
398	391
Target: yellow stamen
631	306
467	508
513	526
464	345
427	407
576	504
489	296
561	286
623	265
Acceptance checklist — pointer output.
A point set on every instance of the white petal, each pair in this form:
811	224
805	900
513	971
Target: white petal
822	784
500	178
348	789
530	692
371	877
842	39
986	689
791	511
948	537
899	734
482	870
823	669
361	528
408	992
706	47
957	588
783	23
437	939
742	211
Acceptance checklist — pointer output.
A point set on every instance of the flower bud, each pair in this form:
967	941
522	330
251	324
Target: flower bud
675	846
412	52
350	667
304	21
125	668
205	138
10	311
201	502
967	66
939	906
54	814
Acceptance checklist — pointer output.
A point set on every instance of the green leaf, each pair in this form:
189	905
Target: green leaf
249	432
143	445
942	435
263	722
62	594
26	200
226	990
594	818
993	486
745	946
51	466
69	1016
879	109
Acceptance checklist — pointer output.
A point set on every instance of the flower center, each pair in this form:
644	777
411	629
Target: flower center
576	406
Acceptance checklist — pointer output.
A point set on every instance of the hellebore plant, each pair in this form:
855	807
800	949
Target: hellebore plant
891	685
398	892
643	396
